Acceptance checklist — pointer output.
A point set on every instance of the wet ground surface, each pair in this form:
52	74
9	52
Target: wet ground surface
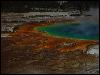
23	60
26	55
27	51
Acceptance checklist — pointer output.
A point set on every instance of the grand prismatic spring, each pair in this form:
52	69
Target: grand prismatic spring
50	37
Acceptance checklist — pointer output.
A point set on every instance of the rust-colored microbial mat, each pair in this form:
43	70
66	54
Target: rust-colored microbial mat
49	37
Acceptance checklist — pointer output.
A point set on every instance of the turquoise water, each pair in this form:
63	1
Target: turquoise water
84	30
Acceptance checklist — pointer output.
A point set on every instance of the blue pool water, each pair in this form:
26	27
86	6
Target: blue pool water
84	30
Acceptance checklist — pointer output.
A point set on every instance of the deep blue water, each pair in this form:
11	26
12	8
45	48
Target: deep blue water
84	30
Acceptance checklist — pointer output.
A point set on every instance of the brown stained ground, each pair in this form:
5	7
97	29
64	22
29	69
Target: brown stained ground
29	51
